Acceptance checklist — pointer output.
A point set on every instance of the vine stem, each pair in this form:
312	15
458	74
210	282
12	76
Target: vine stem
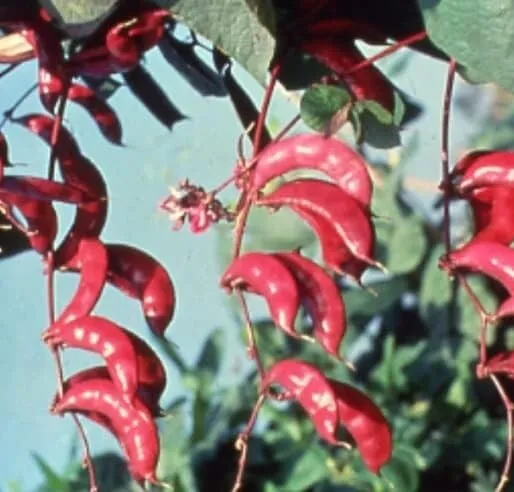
50	271
243	210
504	479
445	185
242	443
387	51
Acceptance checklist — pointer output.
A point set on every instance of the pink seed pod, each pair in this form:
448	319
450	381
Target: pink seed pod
91	261
309	387
322	299
105	338
488	258
131	423
39	215
104	116
335	253
44	189
350	220
365	423
313	151
265	275
139	275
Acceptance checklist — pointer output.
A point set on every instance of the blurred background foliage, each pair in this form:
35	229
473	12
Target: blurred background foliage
411	336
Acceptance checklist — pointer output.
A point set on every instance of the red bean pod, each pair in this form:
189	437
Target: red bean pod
267	276
39	215
502	363
313	151
488	258
350	220
335	253
322	299
52	76
44	189
310	389
131	38
484	168
104	116
341	55
80	172
90	217
105	338
91	261
139	275
366	424
132	423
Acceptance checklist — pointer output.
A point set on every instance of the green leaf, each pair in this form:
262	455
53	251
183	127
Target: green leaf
406	246
479	34
210	357
363	303
310	468
54	481
376	125
401	473
241	28
299	70
320	104
280	230
79	17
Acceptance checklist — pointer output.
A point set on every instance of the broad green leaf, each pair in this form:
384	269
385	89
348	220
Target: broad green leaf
406	246
53	481
280	230
401	473
310	468
479	34
320	104
241	28
212	351
360	302
79	17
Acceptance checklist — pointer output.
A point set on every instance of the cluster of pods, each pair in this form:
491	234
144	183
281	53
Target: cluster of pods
123	395
338	211
485	180
116	46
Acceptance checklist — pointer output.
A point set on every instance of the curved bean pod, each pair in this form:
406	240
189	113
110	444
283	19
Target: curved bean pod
103	115
310	389
105	338
488	258
266	275
484	168
334	251
366	424
44	189
350	220
139	275
132	423
313	151
40	217
322	299
91	261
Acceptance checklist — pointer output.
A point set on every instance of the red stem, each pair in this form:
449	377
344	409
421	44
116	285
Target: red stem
387	51
50	270
242	444
504	479
444	152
